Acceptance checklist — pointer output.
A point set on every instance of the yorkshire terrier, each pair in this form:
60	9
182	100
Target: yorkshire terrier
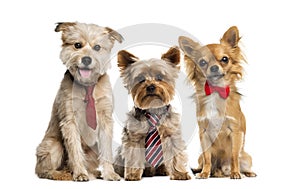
79	135
214	70
151	141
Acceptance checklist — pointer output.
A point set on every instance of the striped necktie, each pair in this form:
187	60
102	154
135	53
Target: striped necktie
154	154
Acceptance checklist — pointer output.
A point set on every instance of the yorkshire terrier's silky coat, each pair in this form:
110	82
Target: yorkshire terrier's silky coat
79	135
213	70
151	84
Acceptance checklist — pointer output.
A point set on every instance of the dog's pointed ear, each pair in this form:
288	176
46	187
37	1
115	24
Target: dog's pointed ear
63	26
231	37
114	35
172	56
188	46
125	59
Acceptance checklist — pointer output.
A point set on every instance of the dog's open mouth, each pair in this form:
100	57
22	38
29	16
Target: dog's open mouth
85	73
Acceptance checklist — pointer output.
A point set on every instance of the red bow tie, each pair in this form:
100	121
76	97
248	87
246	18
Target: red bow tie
223	91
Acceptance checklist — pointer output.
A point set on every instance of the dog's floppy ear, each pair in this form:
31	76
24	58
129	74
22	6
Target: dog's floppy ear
63	26
231	37
125	59
114	35
172	56
188	46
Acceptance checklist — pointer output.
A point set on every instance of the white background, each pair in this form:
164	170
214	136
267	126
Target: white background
31	72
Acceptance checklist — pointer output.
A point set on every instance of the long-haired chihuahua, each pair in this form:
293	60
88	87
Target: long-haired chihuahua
213	70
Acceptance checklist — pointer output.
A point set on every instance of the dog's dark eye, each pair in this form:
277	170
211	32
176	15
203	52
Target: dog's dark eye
159	77
78	45
224	59
202	63
141	79
97	47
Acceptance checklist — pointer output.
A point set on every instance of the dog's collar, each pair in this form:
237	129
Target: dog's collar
139	112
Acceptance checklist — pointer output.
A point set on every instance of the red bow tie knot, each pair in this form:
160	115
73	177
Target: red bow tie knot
223	91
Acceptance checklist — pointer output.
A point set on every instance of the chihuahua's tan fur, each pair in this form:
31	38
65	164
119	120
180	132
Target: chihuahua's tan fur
222	125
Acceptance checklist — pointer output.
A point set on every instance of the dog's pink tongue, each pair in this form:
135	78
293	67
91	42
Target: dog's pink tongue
85	73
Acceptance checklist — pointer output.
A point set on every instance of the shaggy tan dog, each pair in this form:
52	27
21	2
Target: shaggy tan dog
79	135
152	86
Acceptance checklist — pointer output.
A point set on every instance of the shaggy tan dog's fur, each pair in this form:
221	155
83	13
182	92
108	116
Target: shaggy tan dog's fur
70	149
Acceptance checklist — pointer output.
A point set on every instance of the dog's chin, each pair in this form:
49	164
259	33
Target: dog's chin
215	78
86	77
151	101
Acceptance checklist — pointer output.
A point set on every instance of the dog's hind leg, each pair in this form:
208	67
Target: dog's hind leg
175	158
246	164
200	165
49	159
119	163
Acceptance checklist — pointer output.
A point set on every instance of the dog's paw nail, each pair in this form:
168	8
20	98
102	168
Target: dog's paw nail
112	177
182	176
235	175
81	178
203	175
132	178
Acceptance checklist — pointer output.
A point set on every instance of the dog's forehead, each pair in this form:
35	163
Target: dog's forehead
212	51
151	66
87	32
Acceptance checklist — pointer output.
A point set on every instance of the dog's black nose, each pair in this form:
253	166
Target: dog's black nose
150	88
214	68
86	60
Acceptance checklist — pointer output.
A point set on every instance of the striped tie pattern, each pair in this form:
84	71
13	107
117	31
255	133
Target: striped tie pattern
154	154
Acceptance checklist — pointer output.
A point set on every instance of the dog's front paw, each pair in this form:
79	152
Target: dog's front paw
202	175
111	176
80	177
180	176
133	174
97	174
133	177
235	175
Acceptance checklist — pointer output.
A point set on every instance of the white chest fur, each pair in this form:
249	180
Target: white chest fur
215	108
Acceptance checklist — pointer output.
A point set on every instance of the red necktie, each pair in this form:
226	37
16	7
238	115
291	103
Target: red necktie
154	154
90	108
223	91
